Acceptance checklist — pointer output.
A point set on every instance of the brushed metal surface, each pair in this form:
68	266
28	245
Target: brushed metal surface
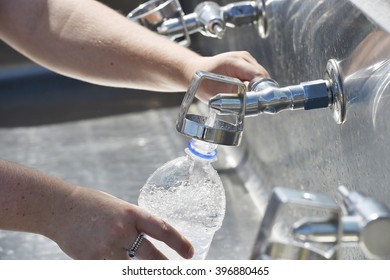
304	150
308	150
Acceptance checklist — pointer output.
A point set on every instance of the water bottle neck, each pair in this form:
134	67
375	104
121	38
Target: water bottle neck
202	150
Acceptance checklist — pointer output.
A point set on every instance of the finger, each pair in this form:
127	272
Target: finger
246	71
258	69
244	66
160	230
147	251
248	57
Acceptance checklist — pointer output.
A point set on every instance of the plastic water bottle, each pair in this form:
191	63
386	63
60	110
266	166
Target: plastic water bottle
188	194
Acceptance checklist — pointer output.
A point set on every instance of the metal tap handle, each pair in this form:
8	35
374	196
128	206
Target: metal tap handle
154	13
268	248
366	221
210	17
166	18
199	127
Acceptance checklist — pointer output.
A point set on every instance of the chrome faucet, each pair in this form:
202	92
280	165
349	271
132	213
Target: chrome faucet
167	18
228	110
266	97
366	222
361	220
271	244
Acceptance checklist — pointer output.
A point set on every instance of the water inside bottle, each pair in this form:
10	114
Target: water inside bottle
197	199
199	240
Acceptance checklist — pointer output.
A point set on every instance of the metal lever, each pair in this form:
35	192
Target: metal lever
268	246
210	19
212	128
153	13
266	97
364	221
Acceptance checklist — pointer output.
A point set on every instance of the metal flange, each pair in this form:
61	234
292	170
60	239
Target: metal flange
338	104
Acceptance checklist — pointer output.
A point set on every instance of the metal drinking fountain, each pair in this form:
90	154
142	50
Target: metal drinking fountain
265	97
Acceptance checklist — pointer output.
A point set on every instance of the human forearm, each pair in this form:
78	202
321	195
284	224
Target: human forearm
87	40
85	223
30	200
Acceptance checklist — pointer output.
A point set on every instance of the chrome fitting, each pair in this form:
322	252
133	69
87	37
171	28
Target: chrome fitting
210	19
266	97
318	234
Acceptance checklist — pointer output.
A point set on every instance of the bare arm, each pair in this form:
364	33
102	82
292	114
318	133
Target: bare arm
87	40
86	223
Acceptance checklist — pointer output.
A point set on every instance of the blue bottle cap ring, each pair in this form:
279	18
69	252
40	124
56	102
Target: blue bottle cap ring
209	155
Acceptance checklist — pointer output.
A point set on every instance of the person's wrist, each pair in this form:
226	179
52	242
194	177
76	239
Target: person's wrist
191	66
59	214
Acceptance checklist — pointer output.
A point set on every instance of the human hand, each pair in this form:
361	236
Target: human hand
241	65
96	225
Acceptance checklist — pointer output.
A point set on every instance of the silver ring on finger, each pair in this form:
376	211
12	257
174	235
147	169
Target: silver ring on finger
132	251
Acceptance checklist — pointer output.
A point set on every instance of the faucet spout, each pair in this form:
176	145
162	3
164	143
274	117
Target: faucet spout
327	231
266	97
